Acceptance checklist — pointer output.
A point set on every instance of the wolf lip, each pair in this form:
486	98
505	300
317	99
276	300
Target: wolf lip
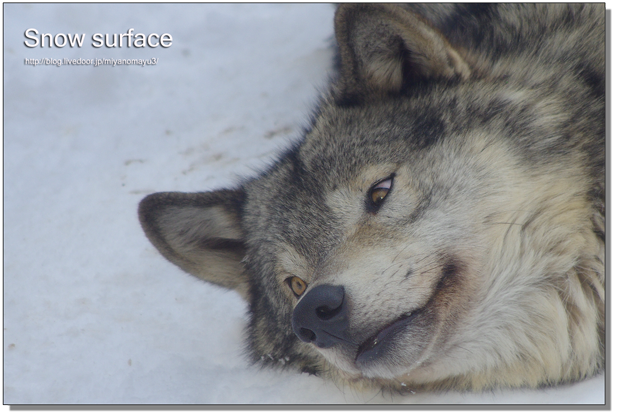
376	346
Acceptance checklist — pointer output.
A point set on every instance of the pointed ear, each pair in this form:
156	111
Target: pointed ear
200	233
385	47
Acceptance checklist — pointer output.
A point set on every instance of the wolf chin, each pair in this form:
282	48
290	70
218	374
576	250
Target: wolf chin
441	223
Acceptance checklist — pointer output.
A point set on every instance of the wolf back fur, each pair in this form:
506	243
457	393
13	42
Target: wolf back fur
441	223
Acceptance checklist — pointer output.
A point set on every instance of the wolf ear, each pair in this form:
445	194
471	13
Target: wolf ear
200	233
384	47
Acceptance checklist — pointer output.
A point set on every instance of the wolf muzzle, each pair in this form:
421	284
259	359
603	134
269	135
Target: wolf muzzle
321	316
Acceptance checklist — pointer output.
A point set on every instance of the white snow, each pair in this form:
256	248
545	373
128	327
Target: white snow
92	313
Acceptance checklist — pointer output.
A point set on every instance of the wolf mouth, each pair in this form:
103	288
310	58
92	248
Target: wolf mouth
377	346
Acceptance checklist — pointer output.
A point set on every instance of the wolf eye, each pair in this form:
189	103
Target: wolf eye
298	285
379	191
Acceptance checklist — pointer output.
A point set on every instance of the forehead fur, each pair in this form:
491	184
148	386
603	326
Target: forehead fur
344	140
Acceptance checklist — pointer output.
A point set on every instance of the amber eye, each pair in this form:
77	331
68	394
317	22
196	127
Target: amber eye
379	194
298	285
379	191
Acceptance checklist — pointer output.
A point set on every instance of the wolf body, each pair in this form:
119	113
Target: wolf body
441	224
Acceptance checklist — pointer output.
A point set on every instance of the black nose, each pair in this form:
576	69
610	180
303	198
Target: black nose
321	316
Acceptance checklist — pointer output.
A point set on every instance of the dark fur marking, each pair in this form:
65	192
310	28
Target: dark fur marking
592	78
233	245
432	130
449	275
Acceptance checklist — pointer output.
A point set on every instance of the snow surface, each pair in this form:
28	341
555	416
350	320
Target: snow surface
92	313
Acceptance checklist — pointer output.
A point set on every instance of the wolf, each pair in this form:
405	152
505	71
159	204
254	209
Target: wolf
440	224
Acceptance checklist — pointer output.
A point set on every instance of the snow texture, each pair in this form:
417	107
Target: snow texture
92	313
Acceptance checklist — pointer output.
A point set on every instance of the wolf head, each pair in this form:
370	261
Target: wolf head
440	223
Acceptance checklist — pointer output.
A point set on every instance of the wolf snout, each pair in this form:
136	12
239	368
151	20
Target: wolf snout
321	316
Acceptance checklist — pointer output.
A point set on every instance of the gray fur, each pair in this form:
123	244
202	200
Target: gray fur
489	247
